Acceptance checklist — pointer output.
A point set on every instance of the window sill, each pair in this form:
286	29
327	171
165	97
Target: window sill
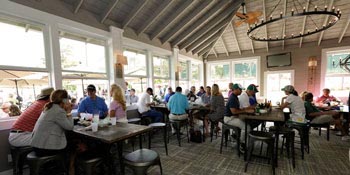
7	122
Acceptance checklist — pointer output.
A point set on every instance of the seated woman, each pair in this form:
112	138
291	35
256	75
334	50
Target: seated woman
217	107
49	131
319	117
295	103
118	105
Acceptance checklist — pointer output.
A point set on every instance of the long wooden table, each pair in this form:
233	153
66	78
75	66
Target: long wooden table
275	115
114	134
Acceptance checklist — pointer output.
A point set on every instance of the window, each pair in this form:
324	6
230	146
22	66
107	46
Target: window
196	75
245	72
161	67
337	79
136	70
22	44
275	81
136	63
183	74
83	62
161	73
23	70
219	73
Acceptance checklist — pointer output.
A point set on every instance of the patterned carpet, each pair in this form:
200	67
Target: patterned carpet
326	157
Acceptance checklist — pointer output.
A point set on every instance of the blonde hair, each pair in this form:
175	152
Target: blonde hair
113	87
118	95
215	91
302	94
56	97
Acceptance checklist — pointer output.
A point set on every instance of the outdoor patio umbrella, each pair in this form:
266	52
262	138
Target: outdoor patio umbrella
10	82
4	74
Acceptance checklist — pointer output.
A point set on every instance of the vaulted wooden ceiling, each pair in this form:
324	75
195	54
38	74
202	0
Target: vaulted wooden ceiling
202	27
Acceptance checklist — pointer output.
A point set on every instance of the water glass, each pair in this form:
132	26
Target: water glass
94	127
113	120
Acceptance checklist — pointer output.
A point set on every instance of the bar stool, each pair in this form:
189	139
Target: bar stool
323	125
289	135
177	126
140	160
212	126
89	163
263	137
303	132
36	163
156	126
19	155
226	131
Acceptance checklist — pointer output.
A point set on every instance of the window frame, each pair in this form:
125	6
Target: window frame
324	60
146	61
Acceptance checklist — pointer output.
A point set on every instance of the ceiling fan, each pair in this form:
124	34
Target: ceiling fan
249	18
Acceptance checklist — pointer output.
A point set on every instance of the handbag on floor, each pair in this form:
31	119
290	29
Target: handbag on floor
195	136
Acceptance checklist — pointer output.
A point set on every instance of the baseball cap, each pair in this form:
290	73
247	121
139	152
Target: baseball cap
253	87
237	86
91	87
288	88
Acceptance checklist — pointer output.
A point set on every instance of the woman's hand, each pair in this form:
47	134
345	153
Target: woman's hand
67	107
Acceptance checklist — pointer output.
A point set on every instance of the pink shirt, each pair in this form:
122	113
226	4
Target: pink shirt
119	111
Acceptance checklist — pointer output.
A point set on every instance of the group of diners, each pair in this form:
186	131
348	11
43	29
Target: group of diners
50	112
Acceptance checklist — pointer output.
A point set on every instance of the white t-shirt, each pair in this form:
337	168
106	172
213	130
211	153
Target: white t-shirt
141	104
296	105
243	100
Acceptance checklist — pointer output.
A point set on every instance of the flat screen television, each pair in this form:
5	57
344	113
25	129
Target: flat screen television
279	60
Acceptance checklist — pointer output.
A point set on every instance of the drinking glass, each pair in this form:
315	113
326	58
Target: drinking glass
113	120
94	127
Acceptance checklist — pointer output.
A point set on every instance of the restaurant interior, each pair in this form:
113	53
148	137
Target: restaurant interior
274	51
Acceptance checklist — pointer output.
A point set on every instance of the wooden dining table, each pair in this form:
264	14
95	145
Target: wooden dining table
275	115
112	134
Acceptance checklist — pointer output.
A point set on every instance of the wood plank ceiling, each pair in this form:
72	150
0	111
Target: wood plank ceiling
202	27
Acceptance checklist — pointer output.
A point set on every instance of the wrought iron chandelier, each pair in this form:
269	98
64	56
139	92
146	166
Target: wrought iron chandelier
343	63
253	30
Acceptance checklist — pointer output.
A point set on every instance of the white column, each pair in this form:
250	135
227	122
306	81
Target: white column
116	48
53	52
149	62
174	74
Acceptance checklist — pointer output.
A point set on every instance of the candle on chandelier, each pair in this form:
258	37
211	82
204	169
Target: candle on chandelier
281	14
292	12
338	11
325	8
304	9
316	8
333	9
271	17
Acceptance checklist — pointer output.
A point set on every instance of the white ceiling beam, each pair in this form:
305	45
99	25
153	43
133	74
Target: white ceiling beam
213	49
264	12
133	13
183	22
205	51
208	42
78	5
223	43
235	37
213	43
108	10
158	12
284	22
304	23
198	41
325	23
198	23
171	18
344	30
225	15
27	27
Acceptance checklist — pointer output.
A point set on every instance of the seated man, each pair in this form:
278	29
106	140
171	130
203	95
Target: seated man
233	110
247	99
144	108
132	98
201	91
5	110
177	106
326	98
319	117
21	131
92	103
169	94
